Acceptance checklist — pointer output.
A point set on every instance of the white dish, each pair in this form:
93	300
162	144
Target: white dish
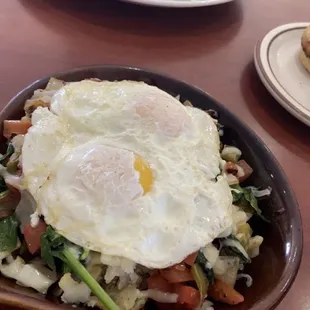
277	63
179	3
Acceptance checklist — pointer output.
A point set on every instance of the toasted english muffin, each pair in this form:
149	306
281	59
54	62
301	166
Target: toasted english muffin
304	54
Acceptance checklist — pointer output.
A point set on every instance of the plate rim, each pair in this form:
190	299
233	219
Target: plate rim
177	3
267	76
288	276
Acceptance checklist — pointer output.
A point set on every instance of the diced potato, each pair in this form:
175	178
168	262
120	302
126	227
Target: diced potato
73	292
231	153
254	245
54	84
239	217
231	179
232	265
129	298
244	233
12	269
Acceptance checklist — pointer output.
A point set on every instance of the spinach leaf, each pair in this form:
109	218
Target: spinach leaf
8	233
246	200
52	245
251	199
201	259
206	267
7	155
231	246
236	192
47	252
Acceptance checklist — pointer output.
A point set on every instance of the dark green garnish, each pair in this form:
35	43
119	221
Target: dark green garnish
231	246
246	200
8	233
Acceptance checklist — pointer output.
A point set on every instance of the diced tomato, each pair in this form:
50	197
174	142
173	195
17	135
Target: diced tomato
15	127
190	259
157	282
221	291
188	295
32	236
176	274
245	172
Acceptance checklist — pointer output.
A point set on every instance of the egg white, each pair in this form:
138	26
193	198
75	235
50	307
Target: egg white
78	162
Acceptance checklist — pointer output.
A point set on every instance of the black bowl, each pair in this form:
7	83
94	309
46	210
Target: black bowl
275	269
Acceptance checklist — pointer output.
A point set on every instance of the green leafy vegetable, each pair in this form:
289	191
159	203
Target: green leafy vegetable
231	246
246	200
47	252
54	246
201	280
8	233
237	192
206	267
8	154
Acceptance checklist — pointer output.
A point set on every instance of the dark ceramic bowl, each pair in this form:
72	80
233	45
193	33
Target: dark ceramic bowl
275	269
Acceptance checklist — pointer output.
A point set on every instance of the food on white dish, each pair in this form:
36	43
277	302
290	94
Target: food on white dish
126	194
304	55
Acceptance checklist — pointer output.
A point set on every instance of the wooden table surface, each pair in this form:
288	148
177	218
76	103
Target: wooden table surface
211	48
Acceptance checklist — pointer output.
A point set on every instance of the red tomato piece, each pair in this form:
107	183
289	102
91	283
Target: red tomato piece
157	282
15	127
32	236
190	259
246	170
188	296
177	274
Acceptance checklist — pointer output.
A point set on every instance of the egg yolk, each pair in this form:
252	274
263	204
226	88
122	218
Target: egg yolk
146	177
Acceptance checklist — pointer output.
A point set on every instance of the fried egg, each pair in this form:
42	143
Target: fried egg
124	169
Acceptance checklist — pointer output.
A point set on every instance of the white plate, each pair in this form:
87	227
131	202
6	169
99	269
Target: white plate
179	3
277	63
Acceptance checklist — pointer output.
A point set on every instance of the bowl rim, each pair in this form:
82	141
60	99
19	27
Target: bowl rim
275	296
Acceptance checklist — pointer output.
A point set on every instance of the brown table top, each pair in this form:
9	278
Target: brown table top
211	48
